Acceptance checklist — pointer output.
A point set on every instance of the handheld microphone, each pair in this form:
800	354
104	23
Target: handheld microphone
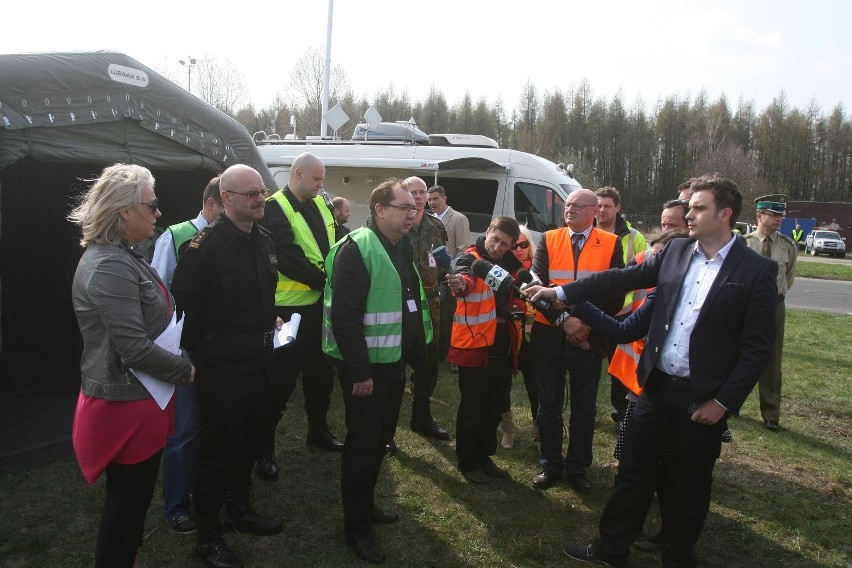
495	277
527	279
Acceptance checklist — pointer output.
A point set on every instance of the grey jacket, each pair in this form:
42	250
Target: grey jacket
120	309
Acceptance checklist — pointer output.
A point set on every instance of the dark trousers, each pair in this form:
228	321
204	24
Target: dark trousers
526	366
424	378
660	415
305	356
484	392
370	426
584	370
769	383
448	308
129	489
232	438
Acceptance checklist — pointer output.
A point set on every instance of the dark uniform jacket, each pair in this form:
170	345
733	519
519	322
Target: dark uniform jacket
225	285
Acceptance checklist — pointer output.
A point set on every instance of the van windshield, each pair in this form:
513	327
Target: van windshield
538	207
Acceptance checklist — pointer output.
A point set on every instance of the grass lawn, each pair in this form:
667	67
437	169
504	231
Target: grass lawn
780	499
808	268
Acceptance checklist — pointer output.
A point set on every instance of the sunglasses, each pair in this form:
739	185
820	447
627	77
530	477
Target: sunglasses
153	204
522	245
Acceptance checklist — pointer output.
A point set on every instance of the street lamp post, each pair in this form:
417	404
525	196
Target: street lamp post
189	64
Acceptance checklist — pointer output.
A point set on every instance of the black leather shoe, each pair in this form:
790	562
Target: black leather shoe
492	470
545	479
217	554
252	523
384	517
182	524
324	442
266	468
651	543
771	425
584	553
367	549
430	429
391	449
579	483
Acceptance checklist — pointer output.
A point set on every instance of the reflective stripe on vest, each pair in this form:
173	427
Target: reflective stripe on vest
595	256
624	363
475	318
181	233
291	292
383	312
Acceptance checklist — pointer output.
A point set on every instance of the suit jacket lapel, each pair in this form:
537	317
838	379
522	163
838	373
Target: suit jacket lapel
681	268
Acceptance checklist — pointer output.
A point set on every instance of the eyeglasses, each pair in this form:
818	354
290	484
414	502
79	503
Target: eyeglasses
250	194
579	206
521	245
407	209
153	204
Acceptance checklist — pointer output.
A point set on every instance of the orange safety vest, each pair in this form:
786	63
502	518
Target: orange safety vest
595	256
475	318
625	360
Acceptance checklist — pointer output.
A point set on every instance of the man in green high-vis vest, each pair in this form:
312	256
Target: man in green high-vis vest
376	319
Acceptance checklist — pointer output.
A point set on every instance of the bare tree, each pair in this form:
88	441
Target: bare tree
220	84
732	162
306	80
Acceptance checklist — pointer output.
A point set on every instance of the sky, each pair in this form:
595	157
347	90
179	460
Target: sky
644	50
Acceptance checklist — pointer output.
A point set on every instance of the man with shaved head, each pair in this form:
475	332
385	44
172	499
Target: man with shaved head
224	284
303	228
564	255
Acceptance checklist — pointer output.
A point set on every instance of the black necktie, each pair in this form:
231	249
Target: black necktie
576	245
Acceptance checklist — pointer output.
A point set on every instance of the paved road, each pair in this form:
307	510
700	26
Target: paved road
833	296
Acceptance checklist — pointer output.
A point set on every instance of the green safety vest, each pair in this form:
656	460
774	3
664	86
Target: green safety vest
181	233
383	313
797	235
291	292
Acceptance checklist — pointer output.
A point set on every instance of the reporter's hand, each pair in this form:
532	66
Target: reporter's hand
538	292
363	388
572	325
191	374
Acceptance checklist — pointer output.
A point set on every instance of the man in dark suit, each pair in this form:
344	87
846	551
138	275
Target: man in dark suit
711	335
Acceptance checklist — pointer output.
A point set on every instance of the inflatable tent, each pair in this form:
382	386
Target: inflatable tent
63	118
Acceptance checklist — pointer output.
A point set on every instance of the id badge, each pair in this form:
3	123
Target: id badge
412	305
432	263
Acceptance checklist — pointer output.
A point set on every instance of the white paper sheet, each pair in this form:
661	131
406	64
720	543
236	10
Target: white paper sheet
169	340
287	333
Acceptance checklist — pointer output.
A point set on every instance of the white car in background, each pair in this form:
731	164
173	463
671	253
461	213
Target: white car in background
820	241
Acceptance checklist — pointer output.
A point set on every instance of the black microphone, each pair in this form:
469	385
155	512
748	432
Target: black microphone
442	257
496	277
526	278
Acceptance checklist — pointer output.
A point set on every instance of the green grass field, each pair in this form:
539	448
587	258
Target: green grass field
808	268
780	499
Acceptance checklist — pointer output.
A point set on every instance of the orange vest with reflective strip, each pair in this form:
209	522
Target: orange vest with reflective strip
475	319
625	360
595	256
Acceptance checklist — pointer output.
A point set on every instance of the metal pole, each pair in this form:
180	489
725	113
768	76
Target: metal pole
327	70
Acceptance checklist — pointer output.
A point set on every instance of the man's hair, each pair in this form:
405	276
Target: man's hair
338	202
507	225
119	187
663	237
212	192
611	192
725	193
686	185
677	203
437	189
383	194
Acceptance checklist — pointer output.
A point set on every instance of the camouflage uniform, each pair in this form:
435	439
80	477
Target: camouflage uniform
430	234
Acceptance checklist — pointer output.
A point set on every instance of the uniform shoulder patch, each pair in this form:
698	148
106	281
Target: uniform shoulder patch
199	237
787	238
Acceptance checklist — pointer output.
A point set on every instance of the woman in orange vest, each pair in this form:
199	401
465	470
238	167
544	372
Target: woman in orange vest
484	343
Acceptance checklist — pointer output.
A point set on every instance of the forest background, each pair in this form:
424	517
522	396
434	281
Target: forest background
645	150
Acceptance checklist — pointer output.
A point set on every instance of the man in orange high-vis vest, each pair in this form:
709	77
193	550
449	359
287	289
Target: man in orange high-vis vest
564	255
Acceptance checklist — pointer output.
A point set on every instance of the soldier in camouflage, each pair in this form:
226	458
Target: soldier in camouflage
426	234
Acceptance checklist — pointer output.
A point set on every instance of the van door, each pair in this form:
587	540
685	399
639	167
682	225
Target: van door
539	207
